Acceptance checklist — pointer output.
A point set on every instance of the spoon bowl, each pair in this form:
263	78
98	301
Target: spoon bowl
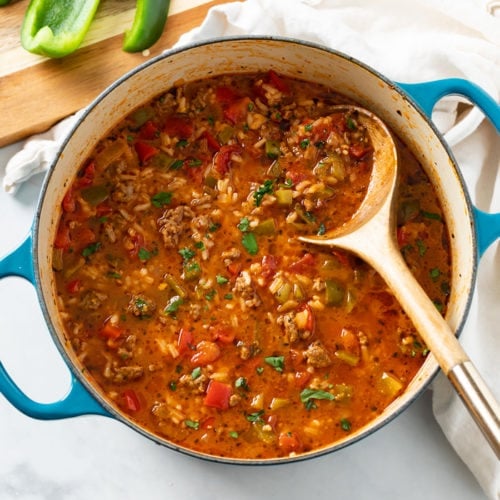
371	235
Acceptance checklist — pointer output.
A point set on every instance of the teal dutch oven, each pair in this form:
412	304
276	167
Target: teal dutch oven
406	108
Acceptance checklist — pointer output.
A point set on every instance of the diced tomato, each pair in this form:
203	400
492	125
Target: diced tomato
302	379
296	175
73	286
252	364
145	151
83	236
103	209
350	342
278	82
207	423
296	358
234	268
178	126
131	400
195	170
212	142
223	334
225	95
136	242
359	150
110	331
402	236
148	131
342	257
237	111
69	202
185	340
339	123
272	420
206	352
63	238
269	266
289	441
304	264
309	319
223	158
217	395
86	176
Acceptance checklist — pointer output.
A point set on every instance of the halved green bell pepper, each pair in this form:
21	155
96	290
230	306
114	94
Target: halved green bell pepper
56	28
149	22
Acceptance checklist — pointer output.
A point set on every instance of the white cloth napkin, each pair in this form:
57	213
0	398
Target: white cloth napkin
408	41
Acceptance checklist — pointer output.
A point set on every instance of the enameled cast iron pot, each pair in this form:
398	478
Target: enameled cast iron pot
406	108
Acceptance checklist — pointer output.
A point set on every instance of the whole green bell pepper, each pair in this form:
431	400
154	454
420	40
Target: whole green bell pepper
56	28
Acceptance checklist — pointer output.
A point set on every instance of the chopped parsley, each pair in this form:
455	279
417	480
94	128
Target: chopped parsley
244	225
430	215
345	425
255	417
192	424
176	165
91	249
187	253
351	124
434	274
241	383
308	397
195	162
145	254
173	305
422	248
221	280
277	362
162	198
262	190
249	242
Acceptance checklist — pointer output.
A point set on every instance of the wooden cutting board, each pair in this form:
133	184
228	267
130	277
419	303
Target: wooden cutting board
36	92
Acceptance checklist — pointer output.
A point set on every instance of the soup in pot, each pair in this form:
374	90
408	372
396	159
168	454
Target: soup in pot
186	295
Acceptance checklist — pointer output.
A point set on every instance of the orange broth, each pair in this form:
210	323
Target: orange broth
186	295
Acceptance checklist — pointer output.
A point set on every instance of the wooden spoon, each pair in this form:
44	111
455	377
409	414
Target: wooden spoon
371	234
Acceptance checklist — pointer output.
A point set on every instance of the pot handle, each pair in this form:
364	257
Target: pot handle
77	401
426	96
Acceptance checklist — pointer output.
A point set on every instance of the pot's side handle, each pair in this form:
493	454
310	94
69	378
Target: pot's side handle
426	96
77	401
488	229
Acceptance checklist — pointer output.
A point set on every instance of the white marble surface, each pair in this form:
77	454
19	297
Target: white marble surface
99	458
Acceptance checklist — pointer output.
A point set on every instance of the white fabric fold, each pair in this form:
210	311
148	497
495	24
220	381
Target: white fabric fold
407	41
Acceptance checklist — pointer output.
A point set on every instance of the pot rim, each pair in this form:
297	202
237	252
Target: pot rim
96	394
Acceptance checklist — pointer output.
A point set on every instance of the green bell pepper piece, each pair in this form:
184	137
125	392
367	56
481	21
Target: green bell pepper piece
4	2
56	28
149	22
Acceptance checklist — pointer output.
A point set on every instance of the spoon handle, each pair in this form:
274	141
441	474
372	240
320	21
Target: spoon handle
441	341
479	401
